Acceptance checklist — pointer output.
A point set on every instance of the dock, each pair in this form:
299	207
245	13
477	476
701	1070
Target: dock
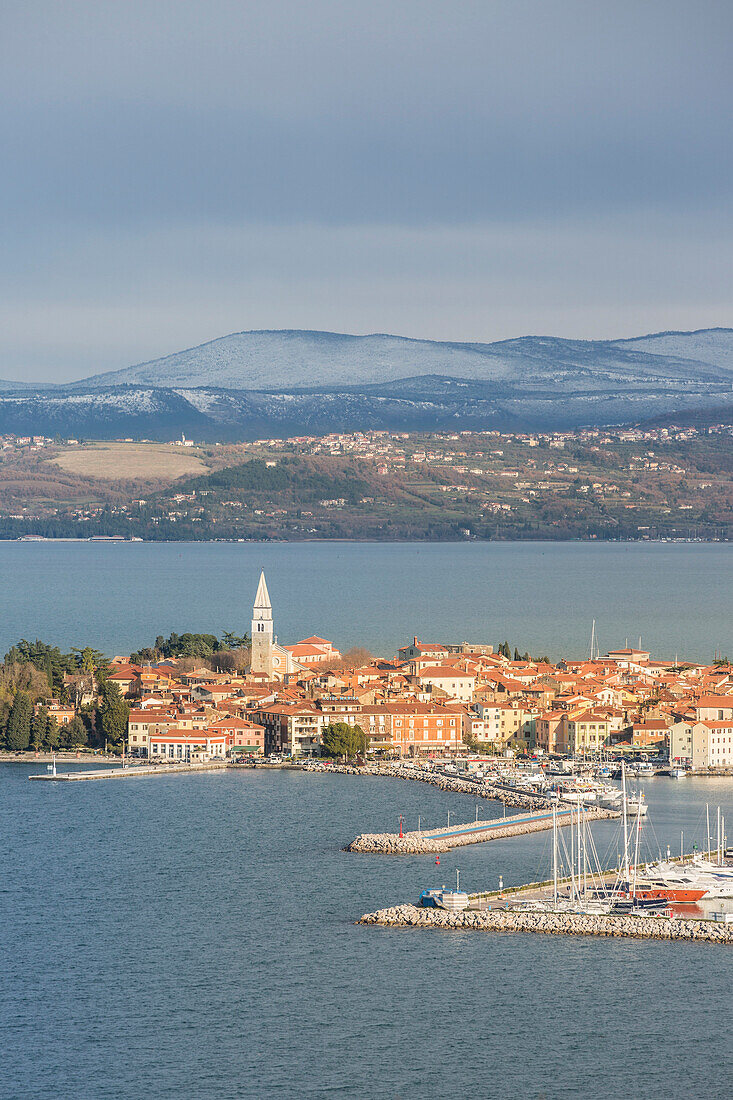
134	772
434	841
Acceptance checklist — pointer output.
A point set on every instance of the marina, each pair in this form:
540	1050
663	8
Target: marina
663	899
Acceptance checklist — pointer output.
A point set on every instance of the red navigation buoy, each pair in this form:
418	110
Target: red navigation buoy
401	833
437	861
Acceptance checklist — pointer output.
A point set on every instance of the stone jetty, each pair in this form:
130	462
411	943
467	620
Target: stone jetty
455	836
135	771
510	796
573	924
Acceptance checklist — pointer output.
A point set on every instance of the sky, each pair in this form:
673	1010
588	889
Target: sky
174	170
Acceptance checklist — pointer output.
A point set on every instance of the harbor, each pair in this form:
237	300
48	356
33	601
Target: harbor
686	898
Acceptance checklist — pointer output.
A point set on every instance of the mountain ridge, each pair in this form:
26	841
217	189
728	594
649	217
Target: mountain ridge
293	382
269	359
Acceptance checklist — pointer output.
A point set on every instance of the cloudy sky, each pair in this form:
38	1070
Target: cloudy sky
174	170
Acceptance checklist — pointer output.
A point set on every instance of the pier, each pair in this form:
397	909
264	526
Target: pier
134	772
425	842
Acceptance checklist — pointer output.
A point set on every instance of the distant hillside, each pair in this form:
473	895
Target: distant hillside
278	384
307	360
713	346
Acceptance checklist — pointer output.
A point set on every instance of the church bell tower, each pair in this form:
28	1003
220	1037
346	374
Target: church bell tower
262	630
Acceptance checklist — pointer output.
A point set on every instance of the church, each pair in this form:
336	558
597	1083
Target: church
274	661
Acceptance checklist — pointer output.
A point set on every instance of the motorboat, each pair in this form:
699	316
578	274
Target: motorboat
641	767
665	889
636	805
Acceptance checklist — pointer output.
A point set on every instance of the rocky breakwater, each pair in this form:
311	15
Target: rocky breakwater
574	924
518	800
443	839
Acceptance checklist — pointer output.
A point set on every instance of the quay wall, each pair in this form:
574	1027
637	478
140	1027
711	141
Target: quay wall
573	924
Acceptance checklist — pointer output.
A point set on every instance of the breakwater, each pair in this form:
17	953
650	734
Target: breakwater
134	772
442	840
549	923
510	796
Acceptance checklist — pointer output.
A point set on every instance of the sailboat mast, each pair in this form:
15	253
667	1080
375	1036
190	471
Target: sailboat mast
585	855
636	847
579	878
572	853
554	855
626	822
707	823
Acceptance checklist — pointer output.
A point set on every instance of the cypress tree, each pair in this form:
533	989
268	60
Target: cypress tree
19	723
52	735
113	714
38	728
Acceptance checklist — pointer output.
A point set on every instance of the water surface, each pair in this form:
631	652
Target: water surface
193	936
540	596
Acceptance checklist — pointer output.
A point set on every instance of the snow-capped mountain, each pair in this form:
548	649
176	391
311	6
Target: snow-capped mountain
256	384
306	360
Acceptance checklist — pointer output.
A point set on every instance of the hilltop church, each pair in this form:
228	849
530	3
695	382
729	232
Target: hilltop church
276	661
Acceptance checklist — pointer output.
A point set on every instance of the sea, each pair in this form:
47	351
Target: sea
542	597
194	936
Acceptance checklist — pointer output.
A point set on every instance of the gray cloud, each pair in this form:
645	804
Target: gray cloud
174	170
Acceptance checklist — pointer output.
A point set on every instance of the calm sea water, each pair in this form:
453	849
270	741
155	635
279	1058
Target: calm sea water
193	936
541	596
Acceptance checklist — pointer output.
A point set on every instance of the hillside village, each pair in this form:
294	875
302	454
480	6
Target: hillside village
644	482
432	698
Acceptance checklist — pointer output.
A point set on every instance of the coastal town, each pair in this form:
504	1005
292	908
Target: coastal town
542	738
432	699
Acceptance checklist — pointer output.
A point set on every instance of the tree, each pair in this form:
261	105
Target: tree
234	641
75	733
471	740
52	735
88	659
112	713
19	723
38	728
49	659
341	739
516	654
357	657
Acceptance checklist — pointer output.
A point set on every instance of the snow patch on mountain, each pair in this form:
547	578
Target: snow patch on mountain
713	346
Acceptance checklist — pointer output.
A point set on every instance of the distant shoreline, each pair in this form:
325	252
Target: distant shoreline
373	542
